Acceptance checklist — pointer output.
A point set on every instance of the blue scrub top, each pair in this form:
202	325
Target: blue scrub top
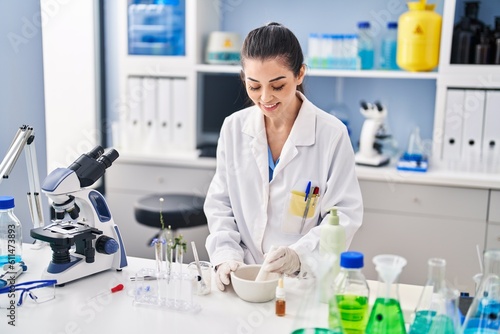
272	164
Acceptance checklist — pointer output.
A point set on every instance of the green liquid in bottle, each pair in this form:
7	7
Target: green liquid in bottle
315	331
386	317
353	313
422	322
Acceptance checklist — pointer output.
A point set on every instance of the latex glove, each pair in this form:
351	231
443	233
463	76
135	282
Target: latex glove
223	274
282	260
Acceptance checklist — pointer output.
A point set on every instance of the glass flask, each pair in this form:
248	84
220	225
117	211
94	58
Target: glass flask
386	315
447	318
315	316
430	297
484	313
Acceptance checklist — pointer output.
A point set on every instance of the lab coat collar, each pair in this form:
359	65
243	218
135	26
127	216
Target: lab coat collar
303	131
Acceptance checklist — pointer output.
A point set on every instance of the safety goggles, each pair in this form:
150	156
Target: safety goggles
37	291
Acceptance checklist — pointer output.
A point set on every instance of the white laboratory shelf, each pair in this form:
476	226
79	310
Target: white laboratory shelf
185	159
434	176
378	74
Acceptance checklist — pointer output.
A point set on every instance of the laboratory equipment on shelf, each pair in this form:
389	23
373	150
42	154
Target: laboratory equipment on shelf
419	37
352	293
430	297
389	47
11	233
366	48
483	315
223	48
414	159
83	236
157	28
372	132
386	315
466	34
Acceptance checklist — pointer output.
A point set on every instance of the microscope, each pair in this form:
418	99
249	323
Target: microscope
83	236
373	130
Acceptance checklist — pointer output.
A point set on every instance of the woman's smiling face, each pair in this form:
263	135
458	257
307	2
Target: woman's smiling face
272	86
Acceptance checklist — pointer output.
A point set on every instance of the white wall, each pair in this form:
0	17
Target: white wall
71	83
21	96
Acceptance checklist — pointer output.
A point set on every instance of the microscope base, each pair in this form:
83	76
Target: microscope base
376	161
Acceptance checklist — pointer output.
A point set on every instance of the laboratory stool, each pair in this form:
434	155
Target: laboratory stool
184	213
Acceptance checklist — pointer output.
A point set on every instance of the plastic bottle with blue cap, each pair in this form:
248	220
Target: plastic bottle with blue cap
11	233
352	293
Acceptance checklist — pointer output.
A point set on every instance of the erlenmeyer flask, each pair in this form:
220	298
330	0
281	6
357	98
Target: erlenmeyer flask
386	315
484	313
447	318
428	302
315	316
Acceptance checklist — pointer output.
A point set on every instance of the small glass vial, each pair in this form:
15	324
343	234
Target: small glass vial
280	299
11	237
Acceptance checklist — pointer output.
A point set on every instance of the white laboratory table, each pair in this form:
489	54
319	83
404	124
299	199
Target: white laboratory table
73	311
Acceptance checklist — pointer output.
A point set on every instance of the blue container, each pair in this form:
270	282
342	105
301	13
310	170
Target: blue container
157	28
389	47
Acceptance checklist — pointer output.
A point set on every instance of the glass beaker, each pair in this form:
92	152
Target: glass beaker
484	313
386	315
430	297
315	316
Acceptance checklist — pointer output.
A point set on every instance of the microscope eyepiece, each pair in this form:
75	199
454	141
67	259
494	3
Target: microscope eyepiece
91	166
108	157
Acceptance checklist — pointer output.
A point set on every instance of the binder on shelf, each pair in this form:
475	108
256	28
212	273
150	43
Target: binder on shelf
180	113
491	132
452	142
149	117
473	128
164	109
131	130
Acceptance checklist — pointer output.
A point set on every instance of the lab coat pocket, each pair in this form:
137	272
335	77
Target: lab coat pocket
299	211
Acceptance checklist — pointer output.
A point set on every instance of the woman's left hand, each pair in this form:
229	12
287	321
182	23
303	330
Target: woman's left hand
282	260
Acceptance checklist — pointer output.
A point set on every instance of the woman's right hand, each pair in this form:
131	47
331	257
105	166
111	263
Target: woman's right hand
223	273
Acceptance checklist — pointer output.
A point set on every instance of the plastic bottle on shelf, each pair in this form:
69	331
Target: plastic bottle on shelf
352	293
483	50
419	36
332	243
466	35
366	51
389	47
11	237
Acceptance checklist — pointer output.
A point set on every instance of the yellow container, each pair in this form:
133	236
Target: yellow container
419	35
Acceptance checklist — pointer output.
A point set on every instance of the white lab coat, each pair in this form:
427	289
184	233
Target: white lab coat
247	214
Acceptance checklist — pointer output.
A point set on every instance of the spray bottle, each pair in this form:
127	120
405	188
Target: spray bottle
332	243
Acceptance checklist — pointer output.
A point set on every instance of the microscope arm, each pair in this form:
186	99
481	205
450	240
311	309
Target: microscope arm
25	137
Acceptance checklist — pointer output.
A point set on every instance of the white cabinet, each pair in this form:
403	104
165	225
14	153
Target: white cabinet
420	222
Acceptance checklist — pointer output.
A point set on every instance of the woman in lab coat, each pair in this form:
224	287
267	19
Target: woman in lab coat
271	159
